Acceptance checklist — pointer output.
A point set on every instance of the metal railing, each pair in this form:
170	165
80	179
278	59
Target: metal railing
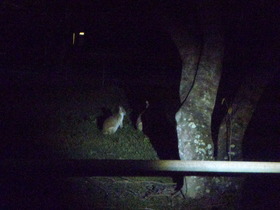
88	167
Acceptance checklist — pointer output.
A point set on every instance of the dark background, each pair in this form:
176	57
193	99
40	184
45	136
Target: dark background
127	41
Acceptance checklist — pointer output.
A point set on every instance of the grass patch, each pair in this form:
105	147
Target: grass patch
72	127
65	122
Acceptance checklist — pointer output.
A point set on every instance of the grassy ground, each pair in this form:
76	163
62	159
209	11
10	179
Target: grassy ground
69	120
65	122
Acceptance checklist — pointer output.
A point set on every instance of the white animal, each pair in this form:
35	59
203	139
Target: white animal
112	123
139	123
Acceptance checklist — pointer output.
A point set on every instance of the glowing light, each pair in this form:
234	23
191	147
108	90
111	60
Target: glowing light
82	33
73	38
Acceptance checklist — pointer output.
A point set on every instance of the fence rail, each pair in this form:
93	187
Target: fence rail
82	168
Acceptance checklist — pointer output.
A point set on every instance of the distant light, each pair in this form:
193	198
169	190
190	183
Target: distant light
82	33
73	38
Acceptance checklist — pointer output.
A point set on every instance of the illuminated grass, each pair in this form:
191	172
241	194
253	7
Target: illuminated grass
74	130
65	123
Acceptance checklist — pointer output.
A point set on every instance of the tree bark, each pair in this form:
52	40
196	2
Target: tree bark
202	61
234	124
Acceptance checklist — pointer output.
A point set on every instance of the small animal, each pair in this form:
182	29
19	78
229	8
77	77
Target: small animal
139	123
112	123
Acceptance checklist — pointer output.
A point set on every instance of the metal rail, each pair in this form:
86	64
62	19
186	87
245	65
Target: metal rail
82	168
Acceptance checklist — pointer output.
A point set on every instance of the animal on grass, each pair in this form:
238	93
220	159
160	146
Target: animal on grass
139	123
112	123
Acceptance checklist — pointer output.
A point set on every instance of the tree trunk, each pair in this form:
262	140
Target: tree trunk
236	121
200	78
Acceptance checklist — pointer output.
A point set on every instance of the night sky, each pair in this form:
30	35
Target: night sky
133	29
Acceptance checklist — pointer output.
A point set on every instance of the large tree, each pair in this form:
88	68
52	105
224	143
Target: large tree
199	37
201	48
